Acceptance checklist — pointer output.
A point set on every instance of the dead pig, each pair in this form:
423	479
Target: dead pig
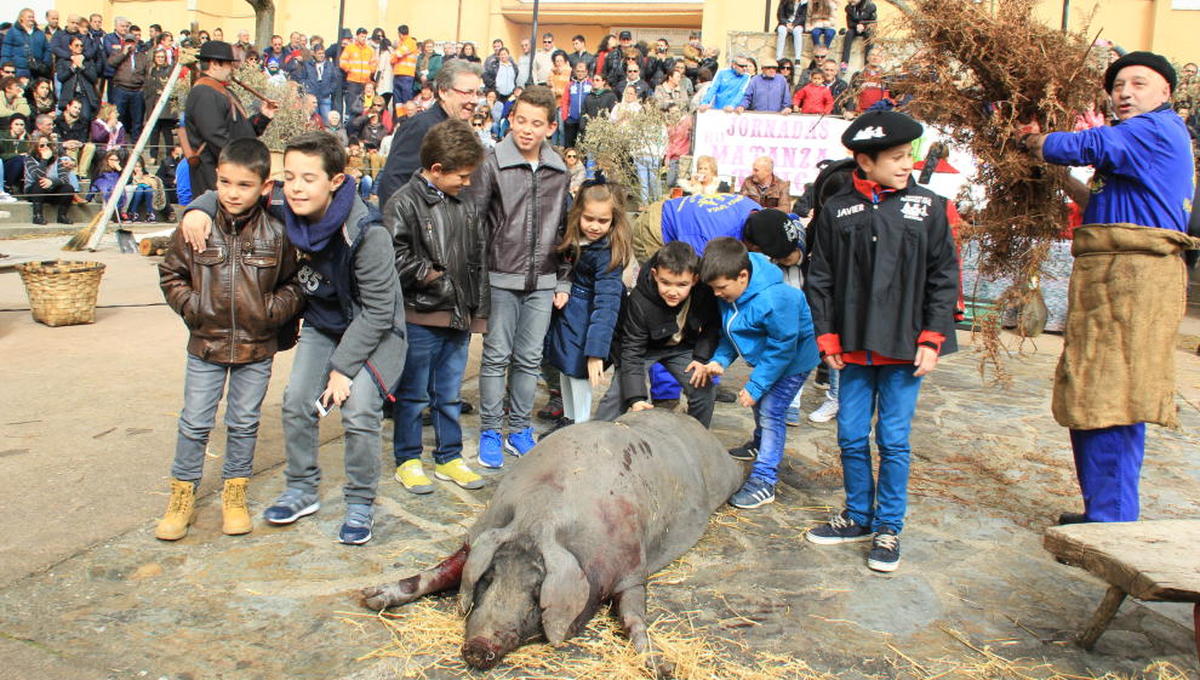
582	519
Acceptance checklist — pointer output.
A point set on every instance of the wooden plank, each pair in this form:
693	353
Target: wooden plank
1153	560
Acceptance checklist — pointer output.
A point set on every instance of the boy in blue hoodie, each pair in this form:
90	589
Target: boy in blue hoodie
767	323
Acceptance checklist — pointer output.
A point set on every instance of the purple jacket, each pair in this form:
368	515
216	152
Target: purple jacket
767	94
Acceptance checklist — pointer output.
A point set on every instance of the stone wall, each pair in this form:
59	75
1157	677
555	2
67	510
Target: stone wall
762	45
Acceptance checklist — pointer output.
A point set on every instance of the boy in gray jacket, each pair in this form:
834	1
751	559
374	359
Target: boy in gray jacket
520	192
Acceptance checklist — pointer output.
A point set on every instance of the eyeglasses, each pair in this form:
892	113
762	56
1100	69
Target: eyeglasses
737	65
547	42
785	68
468	93
572	155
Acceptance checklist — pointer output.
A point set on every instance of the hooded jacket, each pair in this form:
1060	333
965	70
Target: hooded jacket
648	323
769	326
584	327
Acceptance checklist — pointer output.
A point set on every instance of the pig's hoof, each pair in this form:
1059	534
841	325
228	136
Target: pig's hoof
660	667
376	597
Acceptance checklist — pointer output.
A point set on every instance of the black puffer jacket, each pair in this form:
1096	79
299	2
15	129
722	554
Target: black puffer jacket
440	255
862	13
648	322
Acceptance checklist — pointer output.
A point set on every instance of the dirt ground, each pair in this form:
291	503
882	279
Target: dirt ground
87	592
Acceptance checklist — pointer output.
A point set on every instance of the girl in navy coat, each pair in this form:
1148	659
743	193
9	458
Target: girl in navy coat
598	243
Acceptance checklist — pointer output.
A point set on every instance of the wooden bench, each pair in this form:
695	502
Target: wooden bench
1152	561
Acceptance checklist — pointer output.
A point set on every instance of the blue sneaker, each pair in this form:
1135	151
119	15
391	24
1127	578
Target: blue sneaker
356	530
491	450
291	506
520	442
754	493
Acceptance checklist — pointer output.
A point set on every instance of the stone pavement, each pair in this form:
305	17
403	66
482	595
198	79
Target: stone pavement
990	470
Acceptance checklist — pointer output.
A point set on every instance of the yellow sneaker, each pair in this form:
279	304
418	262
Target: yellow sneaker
457	471
234	510
181	510
412	476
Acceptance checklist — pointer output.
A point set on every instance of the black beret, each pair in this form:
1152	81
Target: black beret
879	130
775	232
1150	60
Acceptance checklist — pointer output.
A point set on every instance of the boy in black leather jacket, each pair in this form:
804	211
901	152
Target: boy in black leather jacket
440	257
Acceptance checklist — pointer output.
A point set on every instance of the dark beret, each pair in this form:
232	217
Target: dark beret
1150	60
879	130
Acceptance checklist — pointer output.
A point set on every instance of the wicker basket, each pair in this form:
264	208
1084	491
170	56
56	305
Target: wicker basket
62	292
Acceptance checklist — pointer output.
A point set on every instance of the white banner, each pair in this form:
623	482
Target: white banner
796	143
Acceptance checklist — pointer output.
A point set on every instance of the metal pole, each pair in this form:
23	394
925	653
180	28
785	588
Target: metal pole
119	190
767	17
1066	15
533	44
341	27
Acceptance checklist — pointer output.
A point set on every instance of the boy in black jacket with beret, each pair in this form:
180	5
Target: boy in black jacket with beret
882	283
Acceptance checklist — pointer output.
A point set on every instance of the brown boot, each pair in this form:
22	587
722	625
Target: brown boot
233	507
181	510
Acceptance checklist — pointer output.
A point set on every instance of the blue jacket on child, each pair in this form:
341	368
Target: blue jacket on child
769	326
584	326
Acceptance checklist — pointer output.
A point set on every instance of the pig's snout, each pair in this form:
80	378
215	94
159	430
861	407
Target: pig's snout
484	653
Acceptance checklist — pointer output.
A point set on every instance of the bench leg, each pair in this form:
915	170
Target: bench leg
1196	627
1103	616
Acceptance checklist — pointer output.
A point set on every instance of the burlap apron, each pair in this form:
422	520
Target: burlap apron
1127	295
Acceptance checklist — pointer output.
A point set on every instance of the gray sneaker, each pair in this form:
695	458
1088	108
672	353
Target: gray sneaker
291	506
356	530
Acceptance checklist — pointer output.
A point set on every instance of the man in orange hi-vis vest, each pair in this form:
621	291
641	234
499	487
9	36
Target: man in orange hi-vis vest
404	64
359	61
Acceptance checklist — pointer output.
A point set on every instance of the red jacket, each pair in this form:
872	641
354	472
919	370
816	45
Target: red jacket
813	98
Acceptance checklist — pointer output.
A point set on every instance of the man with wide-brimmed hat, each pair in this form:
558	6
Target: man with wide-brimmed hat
1127	293
214	117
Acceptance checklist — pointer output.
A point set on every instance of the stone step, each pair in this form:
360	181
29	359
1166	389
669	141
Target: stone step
21	212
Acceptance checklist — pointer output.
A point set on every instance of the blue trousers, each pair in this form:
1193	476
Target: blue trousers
432	375
202	390
1108	463
131	108
892	392
770	426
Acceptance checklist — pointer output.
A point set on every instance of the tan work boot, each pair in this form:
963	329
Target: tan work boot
181	510
233	507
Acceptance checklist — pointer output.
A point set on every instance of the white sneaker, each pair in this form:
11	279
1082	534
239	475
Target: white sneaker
826	412
7	198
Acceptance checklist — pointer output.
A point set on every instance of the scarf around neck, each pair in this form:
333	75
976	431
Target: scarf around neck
313	237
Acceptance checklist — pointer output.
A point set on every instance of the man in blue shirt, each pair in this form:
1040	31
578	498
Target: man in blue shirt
1143	176
728	87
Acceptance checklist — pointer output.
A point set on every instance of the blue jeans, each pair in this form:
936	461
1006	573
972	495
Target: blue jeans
770	426
1108	463
131	107
512	356
324	106
202	388
361	422
823	36
365	186
781	36
892	391
433	371
647	173
141	200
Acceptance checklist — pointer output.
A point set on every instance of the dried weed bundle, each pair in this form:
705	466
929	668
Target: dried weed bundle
977	74
614	143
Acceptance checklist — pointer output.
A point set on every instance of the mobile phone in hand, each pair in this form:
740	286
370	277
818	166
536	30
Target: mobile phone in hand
322	410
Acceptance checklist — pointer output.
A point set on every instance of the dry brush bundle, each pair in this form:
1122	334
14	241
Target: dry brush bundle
614	142
290	120
978	73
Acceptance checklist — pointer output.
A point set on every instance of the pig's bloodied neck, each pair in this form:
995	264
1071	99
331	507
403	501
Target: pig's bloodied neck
506	612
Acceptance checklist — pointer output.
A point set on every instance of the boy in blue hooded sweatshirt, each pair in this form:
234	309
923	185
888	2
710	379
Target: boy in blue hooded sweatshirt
767	323
352	350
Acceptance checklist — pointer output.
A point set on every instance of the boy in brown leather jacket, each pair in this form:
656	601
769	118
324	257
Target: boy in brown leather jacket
235	296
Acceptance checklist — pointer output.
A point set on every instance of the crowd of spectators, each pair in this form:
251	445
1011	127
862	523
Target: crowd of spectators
89	89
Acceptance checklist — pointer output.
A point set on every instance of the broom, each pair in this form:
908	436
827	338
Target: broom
89	236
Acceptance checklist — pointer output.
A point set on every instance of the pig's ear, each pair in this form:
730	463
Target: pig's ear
482	549
565	592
